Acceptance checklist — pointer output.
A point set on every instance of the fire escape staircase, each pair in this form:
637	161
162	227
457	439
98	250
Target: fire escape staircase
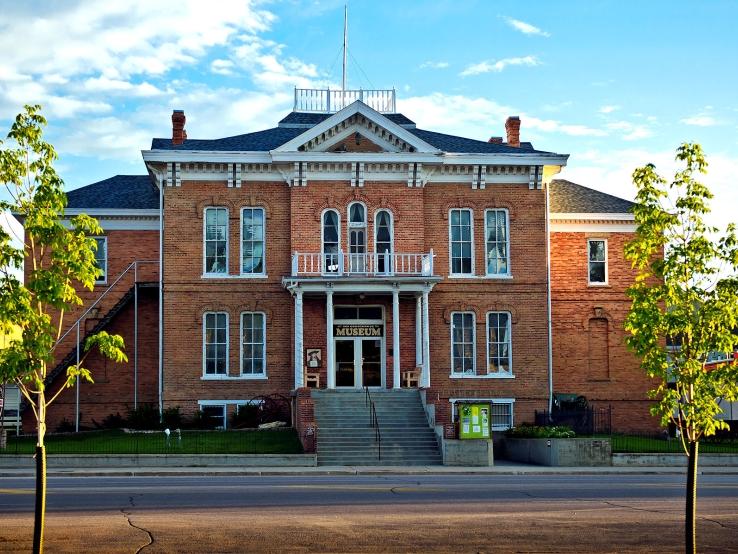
79	338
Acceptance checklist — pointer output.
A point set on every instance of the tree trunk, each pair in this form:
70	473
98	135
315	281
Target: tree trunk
38	523
690	534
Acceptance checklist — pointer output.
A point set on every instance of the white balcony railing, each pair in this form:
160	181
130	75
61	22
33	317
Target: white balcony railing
340	264
330	101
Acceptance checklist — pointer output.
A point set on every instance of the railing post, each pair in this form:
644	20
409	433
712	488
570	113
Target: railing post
328	99
294	264
340	262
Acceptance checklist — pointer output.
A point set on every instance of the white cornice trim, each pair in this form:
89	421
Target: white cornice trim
591	216
593	227
358	107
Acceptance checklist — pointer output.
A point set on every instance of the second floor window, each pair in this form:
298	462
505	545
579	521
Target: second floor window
597	266
462	343
101	259
252	241
215	343
357	237
216	240
331	241
461	242
383	241
497	242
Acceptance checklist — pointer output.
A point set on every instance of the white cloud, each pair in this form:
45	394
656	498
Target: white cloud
222	67
118	86
608	109
525	28
630	131
499	65
554	126
434	65
700	120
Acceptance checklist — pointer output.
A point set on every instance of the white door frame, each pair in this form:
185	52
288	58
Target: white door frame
358	377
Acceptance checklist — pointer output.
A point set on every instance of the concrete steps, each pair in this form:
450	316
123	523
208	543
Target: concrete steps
345	436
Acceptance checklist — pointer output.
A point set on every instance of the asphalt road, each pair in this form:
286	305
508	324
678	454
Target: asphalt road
383	513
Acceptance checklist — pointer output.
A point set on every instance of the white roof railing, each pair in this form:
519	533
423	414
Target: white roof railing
331	101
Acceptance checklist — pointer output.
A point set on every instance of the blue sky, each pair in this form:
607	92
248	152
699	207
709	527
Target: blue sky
615	84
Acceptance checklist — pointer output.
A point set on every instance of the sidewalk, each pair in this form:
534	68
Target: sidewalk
502	468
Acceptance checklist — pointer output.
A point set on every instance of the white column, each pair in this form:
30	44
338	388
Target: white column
299	373
425	375
419	331
395	338
330	364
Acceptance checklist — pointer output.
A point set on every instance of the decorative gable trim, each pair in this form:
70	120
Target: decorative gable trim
368	117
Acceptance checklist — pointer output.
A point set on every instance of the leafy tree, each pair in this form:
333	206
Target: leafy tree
685	294
58	259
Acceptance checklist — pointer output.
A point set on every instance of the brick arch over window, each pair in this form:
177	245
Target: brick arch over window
596	313
257	201
385	204
458	203
208	308
257	306
216	202
503	308
459	307
330	203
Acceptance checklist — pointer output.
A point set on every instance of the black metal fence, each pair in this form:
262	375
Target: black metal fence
585	421
271	441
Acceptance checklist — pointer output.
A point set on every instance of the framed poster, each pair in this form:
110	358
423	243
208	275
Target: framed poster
314	357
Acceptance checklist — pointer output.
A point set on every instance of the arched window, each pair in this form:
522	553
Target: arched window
331	241
383	241
357	237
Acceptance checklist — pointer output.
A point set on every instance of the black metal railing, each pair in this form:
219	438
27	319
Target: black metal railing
373	421
585	421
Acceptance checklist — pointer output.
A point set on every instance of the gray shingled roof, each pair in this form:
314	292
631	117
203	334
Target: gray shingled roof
570	198
269	139
132	192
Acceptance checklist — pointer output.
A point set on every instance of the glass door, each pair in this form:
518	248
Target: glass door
371	362
345	358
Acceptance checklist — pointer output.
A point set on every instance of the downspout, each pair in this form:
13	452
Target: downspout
161	297
548	301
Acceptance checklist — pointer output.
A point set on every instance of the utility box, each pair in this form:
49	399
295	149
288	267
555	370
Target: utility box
474	421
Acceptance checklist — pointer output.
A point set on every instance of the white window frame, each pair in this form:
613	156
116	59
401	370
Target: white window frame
322	242
263	271
215	376
499	374
102	280
205	271
263	374
215	404
471	238
390	269
473	372
597	283
507	245
509	401
357	266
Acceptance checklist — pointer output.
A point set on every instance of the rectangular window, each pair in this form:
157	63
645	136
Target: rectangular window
216	241
253	343
499	343
252	241
497	242
502	416
462	343
461	242
101	258
214	416
597	255
215	343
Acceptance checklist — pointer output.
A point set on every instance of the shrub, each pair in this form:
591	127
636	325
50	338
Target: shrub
247	416
65	426
111	421
527	431
145	417
172	418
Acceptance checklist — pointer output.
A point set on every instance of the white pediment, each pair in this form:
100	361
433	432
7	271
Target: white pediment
357	118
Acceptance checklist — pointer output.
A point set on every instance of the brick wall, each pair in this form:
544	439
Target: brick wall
589	352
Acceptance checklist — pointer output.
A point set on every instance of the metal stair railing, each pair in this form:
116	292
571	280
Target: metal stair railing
373	421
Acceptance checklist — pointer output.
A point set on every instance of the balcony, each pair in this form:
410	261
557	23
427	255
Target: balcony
340	264
331	101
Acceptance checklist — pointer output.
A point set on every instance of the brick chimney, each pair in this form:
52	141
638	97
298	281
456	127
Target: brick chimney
179	135
512	128
495	140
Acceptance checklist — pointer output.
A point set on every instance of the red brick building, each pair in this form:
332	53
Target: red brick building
346	248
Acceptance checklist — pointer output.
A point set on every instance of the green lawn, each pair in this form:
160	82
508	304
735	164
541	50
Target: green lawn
648	445
273	441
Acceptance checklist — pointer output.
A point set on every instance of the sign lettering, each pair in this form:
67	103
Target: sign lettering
357	330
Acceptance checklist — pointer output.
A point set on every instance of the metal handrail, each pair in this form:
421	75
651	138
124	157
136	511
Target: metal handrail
373	420
76	324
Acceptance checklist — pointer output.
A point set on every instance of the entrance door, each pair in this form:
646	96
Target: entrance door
358	362
345	363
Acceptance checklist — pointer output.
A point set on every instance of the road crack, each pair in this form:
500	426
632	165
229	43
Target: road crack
127	514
